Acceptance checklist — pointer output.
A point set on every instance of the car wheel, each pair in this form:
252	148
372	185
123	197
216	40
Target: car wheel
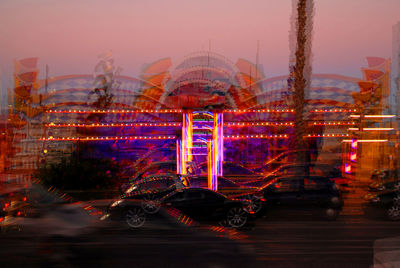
335	202
397	187
135	217
394	213
396	200
256	204
236	217
331	214
150	204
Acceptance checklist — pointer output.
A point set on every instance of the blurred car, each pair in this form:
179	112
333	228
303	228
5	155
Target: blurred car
151	188
299	192
384	180
312	169
289	157
11	196
200	204
156	168
233	190
232	171
378	186
49	212
384	205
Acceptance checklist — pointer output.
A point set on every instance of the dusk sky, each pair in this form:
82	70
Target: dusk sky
69	35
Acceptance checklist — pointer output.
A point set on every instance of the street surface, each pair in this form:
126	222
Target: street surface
296	239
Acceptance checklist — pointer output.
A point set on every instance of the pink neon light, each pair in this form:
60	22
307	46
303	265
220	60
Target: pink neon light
354	144
114	125
366	140
261	111
107	138
113	111
347	168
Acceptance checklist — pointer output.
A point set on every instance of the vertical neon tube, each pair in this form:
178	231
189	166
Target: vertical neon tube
187	141
216	159
189	137
209	165
184	144
179	156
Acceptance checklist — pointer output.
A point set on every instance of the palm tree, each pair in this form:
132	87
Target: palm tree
300	79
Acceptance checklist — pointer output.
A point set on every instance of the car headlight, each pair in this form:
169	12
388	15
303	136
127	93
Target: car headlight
104	217
116	203
130	189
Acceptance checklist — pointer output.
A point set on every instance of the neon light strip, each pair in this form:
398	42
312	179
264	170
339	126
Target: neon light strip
116	125
111	111
209	165
373	116
333	111
366	140
373	129
332	123
283	136
229	124
261	111
326	135
115	138
239	124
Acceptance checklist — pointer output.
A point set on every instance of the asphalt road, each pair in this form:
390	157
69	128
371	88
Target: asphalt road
281	239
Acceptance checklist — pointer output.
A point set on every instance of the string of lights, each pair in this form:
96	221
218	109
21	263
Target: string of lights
260	111
333	110
112	111
176	124
108	138
115	125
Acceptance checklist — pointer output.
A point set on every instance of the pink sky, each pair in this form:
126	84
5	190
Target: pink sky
69	35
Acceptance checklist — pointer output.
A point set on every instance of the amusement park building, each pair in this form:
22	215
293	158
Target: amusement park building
200	81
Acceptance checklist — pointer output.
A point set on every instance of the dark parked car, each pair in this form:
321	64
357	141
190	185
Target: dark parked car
200	204
301	192
312	169
232	189
152	188
384	205
384	180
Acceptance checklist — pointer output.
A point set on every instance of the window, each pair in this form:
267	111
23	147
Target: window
288	185
315	184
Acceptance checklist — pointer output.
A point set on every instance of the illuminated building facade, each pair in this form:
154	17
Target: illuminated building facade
146	113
